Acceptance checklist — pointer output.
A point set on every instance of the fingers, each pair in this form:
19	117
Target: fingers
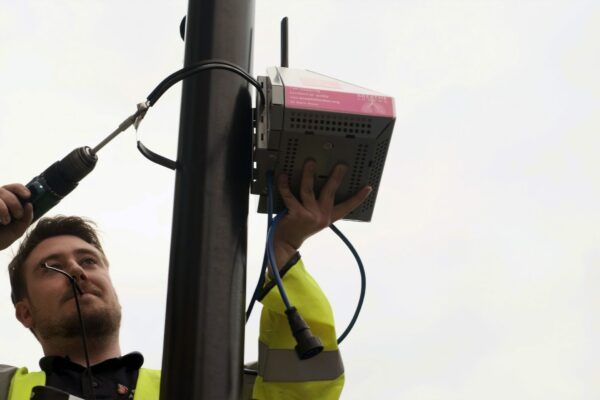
346	207
287	196
27	213
307	193
19	190
327	195
4	213
307	185
21	225
324	209
10	204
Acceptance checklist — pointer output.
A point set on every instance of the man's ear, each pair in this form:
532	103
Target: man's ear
23	313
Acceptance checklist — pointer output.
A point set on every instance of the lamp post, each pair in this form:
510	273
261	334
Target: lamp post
204	328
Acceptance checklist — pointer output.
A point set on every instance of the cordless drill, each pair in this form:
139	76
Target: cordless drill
58	180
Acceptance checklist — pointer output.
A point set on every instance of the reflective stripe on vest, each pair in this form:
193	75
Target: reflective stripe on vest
282	365
23	382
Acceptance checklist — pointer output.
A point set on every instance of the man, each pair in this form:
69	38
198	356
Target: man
44	303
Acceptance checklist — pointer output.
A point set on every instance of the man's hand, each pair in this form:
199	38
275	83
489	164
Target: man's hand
310	216
14	218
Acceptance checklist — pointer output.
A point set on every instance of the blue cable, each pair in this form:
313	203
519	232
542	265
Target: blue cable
269	260
266	257
263	268
270	233
273	262
363	282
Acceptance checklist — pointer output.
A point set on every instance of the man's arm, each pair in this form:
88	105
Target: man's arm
14	217
281	374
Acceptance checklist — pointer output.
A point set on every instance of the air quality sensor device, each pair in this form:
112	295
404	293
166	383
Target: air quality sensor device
308	115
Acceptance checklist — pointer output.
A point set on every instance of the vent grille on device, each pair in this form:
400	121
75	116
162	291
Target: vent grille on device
359	167
329	123
376	171
290	156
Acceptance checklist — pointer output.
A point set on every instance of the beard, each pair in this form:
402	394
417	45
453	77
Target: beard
99	322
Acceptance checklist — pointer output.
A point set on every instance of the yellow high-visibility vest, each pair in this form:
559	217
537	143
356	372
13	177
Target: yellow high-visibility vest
23	382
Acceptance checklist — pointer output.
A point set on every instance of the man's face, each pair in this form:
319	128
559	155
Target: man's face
49	307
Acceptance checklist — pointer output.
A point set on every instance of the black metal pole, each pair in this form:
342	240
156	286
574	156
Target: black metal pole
204	329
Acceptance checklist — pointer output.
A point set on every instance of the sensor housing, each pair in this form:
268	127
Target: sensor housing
312	116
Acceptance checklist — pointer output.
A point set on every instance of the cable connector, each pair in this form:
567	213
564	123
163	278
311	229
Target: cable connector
142	109
308	345
134	119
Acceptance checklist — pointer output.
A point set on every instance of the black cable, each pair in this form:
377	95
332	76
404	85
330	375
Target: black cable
76	291
177	76
199	67
259	286
263	270
84	340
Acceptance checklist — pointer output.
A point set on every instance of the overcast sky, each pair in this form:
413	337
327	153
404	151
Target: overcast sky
483	255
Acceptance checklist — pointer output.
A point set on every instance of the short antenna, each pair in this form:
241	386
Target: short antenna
284	42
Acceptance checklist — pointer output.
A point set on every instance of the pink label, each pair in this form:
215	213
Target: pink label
349	103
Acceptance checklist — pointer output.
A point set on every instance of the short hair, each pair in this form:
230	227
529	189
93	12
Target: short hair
45	229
